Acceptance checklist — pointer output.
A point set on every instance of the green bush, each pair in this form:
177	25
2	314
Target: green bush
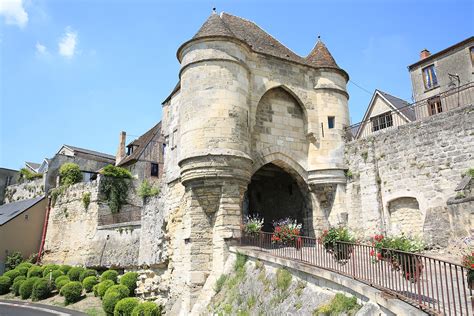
17	283
54	274
26	174
12	274
122	289
103	286
5	283
114	186
72	292
27	287
125	306
75	273
89	282
25	264
111	298
65	268
61	281
13	260
109	275
147	309
339	305
35	271
146	190
22	270
48	268
129	279
69	174
87	273
41	290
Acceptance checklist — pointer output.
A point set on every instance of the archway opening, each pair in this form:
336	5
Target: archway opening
405	217
274	194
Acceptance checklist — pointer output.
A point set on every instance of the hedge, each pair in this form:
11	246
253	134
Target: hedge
109	275
61	281
125	306
27	287
75	273
35	271
12	274
54	275
129	279
65	268
111	298
49	268
86	273
147	309
22	270
102	287
89	282
5	283
41	290
72	292
17	283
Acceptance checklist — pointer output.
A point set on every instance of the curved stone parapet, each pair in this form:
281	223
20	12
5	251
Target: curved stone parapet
326	176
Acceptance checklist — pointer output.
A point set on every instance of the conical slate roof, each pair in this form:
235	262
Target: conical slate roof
259	41
321	57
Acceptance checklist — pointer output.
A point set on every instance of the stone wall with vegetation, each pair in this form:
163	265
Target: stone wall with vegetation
408	174
25	190
74	236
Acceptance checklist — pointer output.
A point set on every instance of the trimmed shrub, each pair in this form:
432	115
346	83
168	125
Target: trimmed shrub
22	270
49	268
17	283
147	309
109	275
61	281
13	260
26	287
111	298
89	282
72	292
75	273
34	271
25	264
65	268
125	306
12	274
129	279
54	275
41	290
103	286
69	174
122	289
87	273
5	283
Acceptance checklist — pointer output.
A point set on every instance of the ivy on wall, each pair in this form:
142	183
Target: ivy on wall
114	186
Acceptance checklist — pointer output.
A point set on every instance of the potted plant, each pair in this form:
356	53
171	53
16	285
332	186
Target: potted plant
287	232
468	263
337	240
253	225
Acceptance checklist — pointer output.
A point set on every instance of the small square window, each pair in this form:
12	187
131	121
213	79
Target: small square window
26	216
331	121
154	169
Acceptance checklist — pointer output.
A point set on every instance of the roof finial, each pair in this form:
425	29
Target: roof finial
214	11
319	37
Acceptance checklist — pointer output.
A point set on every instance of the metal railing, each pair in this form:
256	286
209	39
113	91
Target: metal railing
443	102
123	216
433	285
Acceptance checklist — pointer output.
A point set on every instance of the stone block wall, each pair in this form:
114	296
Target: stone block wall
75	237
421	162
24	191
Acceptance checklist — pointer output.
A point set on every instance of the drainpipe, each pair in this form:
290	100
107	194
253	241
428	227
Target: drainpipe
45	228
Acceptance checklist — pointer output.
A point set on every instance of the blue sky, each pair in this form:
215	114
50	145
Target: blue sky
79	72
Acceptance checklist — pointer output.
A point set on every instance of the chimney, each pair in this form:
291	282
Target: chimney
424	53
121	149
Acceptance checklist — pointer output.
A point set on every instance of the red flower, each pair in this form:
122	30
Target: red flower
472	265
379	255
372	252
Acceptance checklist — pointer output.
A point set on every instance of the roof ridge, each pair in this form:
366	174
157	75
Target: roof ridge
383	92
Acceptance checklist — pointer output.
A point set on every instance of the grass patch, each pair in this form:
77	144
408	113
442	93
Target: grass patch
283	279
95	312
300	287
251	302
338	305
259	265
220	283
240	261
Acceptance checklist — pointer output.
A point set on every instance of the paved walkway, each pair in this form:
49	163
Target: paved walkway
19	308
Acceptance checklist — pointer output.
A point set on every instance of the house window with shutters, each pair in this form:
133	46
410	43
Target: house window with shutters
435	106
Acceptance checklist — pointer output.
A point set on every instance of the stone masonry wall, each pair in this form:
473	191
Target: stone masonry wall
425	161
74	236
24	191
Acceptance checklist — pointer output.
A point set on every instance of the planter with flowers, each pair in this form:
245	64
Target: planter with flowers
337	241
468	263
400	252
252	226
287	232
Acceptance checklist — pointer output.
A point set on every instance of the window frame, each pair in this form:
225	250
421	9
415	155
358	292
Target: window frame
331	122
435	106
154	166
432	74
382	121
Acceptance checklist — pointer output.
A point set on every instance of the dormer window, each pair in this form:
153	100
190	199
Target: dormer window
130	149
429	77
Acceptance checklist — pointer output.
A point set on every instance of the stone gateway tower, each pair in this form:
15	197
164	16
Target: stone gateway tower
251	128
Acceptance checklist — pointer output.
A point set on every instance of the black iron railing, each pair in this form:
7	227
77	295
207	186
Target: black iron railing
433	285
443	102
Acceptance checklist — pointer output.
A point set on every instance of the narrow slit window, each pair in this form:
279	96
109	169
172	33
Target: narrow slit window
331	121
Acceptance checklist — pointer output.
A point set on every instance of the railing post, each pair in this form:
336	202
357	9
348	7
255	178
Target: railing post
260	239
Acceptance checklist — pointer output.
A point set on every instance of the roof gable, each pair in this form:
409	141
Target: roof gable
141	142
71	150
11	210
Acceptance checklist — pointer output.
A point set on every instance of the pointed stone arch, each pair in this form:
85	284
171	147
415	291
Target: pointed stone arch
272	86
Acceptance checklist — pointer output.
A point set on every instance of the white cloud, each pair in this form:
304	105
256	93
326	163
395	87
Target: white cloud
14	12
41	49
67	44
